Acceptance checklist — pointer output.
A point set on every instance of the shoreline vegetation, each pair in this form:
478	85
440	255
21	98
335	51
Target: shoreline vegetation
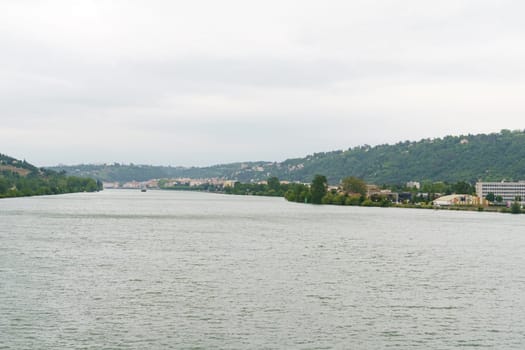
21	179
353	191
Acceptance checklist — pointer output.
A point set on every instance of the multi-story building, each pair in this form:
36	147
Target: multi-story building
509	191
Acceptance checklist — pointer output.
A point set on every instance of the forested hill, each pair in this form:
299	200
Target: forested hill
495	156
19	178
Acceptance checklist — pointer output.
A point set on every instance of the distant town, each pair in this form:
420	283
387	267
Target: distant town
168	183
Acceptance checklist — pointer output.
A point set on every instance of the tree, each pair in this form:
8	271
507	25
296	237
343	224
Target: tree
298	193
4	186
354	200
515	208
354	185
463	188
290	196
274	184
328	198
339	199
490	197
439	187
319	188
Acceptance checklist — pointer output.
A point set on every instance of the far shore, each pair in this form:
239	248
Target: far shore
490	208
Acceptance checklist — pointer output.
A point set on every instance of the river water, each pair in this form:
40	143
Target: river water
177	270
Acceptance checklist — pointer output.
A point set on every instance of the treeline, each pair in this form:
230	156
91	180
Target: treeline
273	187
354	191
19	178
350	191
15	185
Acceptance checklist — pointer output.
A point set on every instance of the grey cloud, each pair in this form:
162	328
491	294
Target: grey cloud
331	73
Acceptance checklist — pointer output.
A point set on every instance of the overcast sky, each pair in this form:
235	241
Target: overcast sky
207	82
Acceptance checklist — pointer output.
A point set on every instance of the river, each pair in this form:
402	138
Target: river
123	269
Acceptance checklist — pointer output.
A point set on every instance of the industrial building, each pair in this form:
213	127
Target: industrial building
509	191
460	199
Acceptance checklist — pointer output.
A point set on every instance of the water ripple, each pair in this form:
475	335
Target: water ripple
172	270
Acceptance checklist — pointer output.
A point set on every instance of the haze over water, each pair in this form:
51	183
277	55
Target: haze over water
159	270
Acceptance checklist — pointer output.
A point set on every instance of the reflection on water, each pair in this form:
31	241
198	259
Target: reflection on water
158	270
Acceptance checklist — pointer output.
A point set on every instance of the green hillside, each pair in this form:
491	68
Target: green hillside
19	178
495	156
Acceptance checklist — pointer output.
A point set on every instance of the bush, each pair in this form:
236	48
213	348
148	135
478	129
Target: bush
353	200
339	199
515	208
327	198
385	202
367	203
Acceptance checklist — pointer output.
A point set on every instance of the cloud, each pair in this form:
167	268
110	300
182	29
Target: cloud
206	82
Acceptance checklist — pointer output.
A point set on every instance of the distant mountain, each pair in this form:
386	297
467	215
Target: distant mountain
19	178
132	172
495	156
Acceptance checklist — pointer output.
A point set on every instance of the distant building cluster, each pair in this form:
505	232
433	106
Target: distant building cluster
374	191
154	183
503	192
166	183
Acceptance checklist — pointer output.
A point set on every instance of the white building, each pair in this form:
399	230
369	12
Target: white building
413	184
507	190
